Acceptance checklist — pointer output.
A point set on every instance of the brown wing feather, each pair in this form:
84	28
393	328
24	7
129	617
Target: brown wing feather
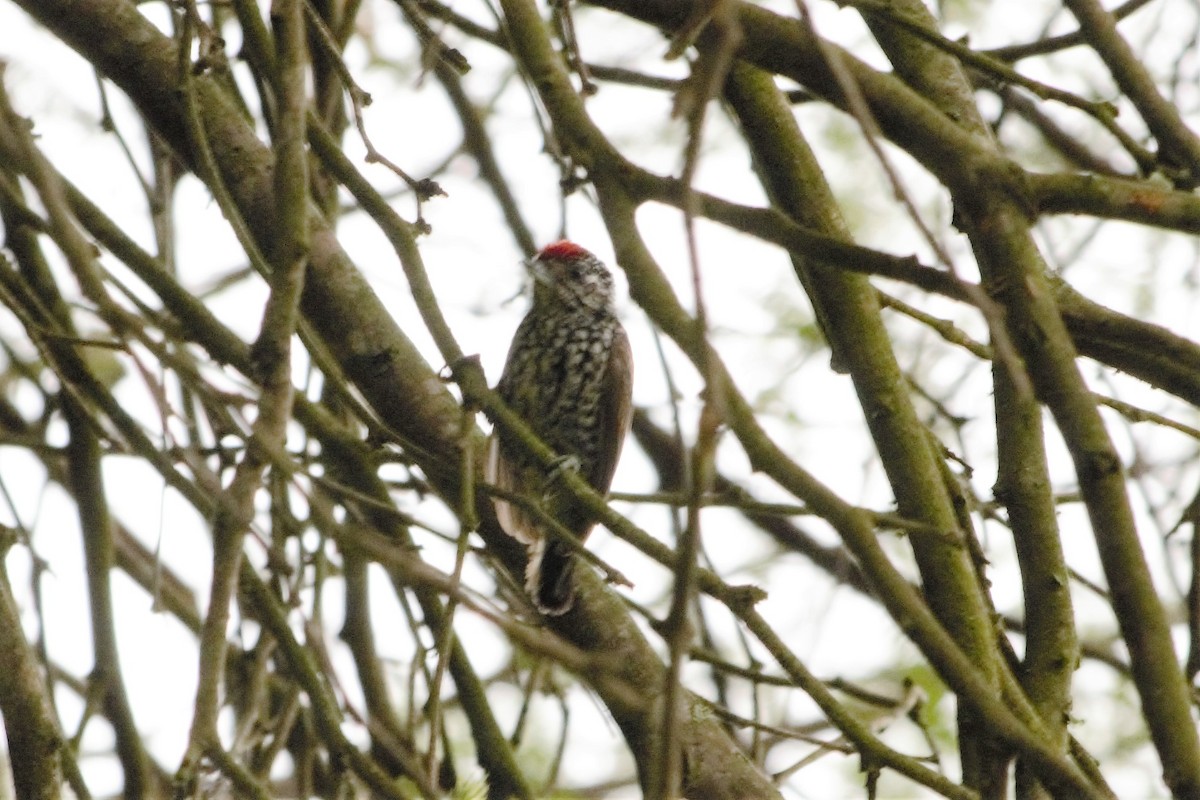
616	411
500	472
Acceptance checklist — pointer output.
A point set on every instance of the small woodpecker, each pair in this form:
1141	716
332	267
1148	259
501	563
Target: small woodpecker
569	375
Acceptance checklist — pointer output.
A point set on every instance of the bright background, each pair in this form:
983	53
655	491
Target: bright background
761	324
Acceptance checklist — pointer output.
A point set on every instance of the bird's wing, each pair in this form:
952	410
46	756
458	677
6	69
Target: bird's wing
501	473
616	411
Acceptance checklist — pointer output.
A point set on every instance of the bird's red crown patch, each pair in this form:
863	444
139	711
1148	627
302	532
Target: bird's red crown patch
563	250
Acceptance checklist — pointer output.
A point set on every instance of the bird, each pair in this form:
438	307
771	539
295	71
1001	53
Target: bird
569	376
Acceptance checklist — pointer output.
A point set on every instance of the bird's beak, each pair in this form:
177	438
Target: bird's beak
537	271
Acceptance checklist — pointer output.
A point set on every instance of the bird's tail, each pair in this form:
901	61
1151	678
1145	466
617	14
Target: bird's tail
550	576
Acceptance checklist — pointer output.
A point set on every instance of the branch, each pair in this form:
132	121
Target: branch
35	744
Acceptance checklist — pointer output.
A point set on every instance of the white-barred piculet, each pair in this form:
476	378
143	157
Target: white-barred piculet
569	375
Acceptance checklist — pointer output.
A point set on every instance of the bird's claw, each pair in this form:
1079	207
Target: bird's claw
559	467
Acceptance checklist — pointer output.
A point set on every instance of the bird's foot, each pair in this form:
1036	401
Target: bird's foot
559	467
